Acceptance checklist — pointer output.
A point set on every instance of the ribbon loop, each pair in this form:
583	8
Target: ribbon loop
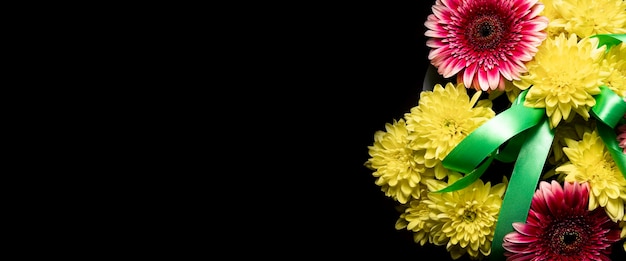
481	142
609	108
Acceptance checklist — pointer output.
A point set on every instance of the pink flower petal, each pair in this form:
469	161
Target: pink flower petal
451	67
483	81
439	12
554	197
436	44
536	10
535	25
493	77
466	77
452	4
526	229
524	4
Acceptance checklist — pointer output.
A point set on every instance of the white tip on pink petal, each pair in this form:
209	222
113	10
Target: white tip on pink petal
483	80
536	10
468	74
493	77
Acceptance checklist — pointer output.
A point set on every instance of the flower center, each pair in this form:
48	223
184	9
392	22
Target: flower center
567	237
485	32
561	85
485	29
449	124
469	216
453	128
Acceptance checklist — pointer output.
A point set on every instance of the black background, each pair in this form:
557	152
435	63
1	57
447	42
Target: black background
384	59
373	61
365	70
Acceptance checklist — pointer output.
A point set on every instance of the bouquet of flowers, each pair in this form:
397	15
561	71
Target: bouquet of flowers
539	86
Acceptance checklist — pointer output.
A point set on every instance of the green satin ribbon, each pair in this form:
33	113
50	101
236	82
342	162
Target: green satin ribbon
610	39
469	178
609	111
524	179
485	139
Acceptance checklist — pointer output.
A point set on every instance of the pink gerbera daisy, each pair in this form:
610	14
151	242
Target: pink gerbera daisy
484	41
560	227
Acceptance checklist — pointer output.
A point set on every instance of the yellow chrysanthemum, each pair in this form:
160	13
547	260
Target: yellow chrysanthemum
551	12
590	17
565	74
465	219
574	129
394	163
615	64
416	218
590	161
443	118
